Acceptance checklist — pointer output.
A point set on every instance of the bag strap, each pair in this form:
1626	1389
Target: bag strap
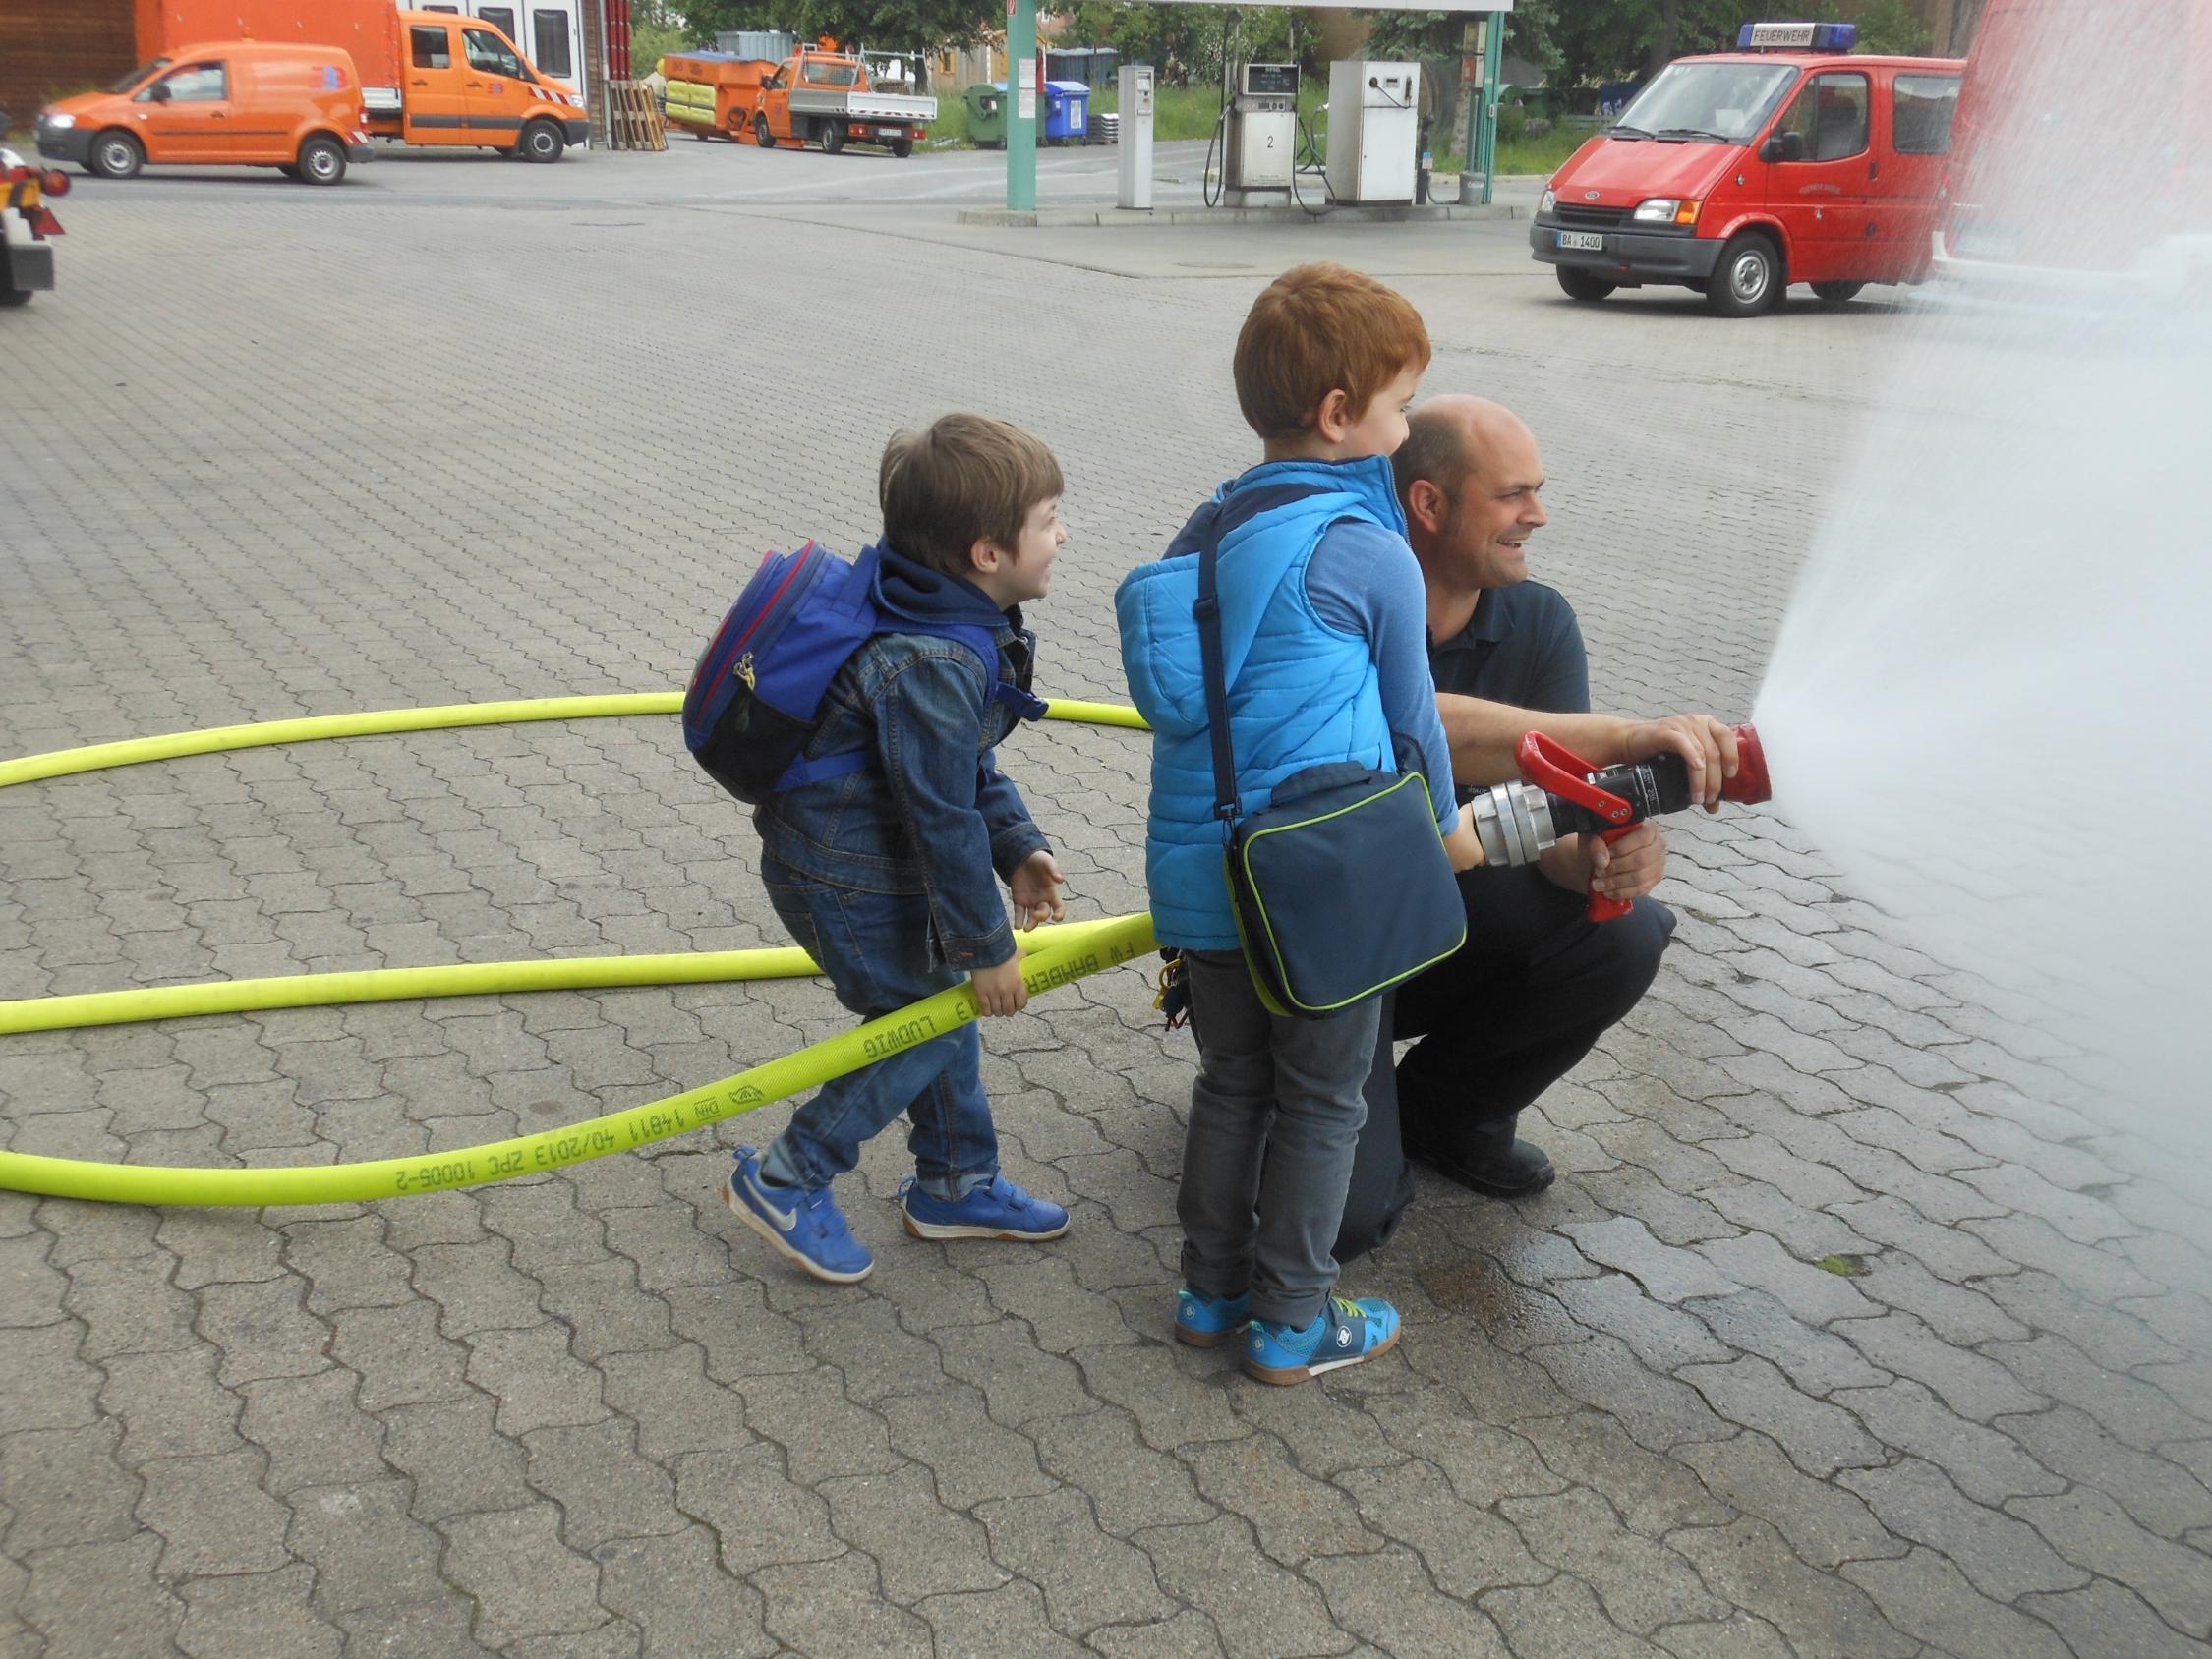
1227	805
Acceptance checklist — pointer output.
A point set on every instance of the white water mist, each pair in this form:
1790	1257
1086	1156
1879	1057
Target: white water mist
1988	701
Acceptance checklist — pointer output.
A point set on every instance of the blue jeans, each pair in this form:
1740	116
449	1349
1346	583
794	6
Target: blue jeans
876	949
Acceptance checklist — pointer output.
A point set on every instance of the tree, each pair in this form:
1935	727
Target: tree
920	26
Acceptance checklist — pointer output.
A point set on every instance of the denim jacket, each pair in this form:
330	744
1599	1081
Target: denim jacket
930	813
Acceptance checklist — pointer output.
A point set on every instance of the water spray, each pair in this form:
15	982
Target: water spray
1562	794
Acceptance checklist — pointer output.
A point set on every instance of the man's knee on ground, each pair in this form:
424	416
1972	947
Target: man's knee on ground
1635	944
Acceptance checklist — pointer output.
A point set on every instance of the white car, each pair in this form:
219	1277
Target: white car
26	226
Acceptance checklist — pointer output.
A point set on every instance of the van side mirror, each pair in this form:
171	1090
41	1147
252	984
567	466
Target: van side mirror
1783	147
158	91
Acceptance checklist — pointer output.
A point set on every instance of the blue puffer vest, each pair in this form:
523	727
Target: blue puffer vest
1301	692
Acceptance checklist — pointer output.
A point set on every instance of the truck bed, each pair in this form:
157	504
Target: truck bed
864	106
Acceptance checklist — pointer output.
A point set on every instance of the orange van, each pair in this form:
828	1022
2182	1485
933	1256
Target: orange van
461	82
233	103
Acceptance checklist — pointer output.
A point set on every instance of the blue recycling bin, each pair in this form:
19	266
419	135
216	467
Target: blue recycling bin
1067	111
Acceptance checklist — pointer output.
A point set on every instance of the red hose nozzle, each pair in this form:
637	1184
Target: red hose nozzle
1751	785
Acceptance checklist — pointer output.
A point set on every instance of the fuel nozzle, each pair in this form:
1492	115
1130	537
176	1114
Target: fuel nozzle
1561	795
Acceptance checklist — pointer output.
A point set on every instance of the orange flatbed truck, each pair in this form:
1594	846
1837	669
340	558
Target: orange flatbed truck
816	95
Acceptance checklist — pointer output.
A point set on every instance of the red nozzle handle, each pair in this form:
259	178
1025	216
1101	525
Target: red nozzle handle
1602	908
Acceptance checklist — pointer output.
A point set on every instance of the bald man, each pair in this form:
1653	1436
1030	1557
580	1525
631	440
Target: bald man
1535	984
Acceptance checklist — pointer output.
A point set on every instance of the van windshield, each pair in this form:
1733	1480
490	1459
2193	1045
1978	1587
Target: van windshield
821	74
140	74
1723	103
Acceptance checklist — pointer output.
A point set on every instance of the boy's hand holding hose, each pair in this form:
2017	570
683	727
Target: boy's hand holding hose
1035	887
1463	846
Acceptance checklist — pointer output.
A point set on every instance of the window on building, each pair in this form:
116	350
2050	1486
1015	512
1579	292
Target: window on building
549	39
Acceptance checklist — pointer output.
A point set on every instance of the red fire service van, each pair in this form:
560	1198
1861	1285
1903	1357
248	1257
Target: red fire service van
1739	173
2082	160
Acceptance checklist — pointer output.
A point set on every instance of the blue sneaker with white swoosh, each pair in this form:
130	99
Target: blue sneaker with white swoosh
807	1227
1343	1333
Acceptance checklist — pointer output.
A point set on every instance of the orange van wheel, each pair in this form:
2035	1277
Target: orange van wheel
322	161
760	134
115	156
541	141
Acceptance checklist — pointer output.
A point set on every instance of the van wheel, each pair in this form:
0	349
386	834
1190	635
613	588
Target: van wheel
542	141
321	161
761	134
901	147
1583	284
833	138
1749	279
116	155
1836	293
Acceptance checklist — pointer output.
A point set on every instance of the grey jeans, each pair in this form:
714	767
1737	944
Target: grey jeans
1276	1115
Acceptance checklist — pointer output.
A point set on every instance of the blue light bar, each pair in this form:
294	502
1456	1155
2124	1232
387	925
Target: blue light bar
1797	37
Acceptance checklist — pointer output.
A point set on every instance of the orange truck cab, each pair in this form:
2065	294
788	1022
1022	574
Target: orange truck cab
232	103
2082	157
461	82
1736	174
826	98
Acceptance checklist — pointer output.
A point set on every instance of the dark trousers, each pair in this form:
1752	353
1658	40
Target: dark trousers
1509	1014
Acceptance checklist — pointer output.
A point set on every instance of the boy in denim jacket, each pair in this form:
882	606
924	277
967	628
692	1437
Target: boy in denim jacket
885	874
1324	633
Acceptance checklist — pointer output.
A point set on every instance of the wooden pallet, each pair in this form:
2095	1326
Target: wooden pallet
633	123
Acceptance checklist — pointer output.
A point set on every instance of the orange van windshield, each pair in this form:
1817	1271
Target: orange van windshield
140	74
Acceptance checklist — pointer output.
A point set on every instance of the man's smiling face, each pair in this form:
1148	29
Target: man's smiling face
1496	508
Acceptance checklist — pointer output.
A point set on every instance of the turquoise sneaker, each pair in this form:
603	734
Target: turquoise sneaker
1205	1320
1343	1333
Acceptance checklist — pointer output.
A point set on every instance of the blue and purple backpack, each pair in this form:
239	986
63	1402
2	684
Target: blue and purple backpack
756	692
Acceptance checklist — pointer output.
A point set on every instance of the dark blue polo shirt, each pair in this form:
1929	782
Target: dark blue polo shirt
1522	646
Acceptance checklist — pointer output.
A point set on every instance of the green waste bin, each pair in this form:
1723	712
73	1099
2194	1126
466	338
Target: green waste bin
986	115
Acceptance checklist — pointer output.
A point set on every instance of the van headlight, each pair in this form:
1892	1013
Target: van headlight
1549	202
1667	210
57	123
576	100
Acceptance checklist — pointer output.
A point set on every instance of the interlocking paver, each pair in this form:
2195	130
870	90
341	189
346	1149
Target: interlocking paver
1927	1595
1088	1578
988	1448
256	1616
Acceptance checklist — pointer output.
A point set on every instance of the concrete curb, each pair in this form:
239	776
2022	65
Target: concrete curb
1054	219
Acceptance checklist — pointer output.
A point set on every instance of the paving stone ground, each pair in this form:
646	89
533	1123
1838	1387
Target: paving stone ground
440	437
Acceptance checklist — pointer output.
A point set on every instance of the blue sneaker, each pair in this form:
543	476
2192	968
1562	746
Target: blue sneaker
995	1210
1343	1333
1205	1320
807	1227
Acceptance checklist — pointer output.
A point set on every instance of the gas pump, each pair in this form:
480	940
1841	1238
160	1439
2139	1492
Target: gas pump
1374	130
1263	138
1135	140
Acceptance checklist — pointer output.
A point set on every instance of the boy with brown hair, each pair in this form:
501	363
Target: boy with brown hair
881	862
1323	624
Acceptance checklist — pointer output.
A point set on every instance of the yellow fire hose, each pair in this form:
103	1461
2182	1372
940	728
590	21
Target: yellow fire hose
1068	953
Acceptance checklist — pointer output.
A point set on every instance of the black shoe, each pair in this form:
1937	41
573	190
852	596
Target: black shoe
1518	1170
